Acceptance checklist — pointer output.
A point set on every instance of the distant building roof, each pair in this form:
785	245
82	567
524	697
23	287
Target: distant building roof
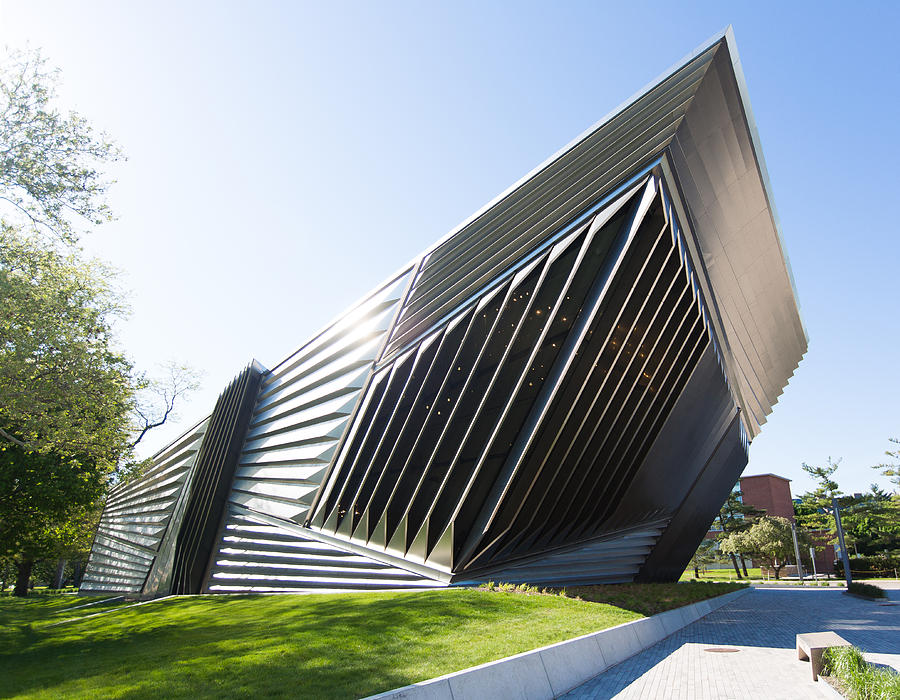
754	476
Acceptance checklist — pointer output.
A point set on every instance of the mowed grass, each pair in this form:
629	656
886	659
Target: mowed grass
720	575
315	646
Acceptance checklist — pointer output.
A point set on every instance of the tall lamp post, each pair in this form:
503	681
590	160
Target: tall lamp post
840	532
797	553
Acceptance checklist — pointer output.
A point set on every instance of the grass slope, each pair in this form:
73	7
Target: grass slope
316	646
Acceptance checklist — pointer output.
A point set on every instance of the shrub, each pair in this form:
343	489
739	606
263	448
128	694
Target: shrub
871	566
861	679
866	589
642	598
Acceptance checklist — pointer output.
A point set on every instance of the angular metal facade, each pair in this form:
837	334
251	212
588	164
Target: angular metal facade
562	390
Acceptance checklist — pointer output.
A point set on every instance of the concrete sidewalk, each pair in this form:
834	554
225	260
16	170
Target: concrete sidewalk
762	626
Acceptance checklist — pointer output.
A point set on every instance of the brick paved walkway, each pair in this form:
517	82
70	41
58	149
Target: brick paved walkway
762	624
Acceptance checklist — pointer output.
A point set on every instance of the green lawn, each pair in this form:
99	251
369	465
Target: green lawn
721	575
315	646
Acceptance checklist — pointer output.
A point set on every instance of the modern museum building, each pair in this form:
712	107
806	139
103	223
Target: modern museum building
562	390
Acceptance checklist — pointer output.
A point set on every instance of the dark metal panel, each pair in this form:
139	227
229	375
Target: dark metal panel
691	522
212	479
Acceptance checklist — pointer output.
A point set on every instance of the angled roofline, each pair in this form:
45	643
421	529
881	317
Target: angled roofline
609	116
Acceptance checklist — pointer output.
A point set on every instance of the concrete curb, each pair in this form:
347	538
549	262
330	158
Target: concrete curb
546	673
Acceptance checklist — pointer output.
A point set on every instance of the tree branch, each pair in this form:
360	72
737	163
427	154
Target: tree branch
12	439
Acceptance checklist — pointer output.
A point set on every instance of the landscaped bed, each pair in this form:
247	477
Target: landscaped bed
644	598
323	646
866	590
854	678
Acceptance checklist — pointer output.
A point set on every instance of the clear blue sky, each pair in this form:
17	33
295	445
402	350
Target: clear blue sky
286	157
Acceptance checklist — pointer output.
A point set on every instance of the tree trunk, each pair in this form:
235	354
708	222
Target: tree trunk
79	573
734	563
60	573
23	578
744	566
696	572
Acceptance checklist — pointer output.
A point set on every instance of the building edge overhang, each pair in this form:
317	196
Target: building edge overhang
737	67
726	37
758	321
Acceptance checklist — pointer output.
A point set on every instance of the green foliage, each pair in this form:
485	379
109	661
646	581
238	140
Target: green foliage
871	521
64	387
862	680
768	540
66	391
49	504
892	469
735	515
7	572
49	162
65	397
872	566
814	510
511	588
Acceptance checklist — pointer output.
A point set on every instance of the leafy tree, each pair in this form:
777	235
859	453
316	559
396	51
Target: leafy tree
66	391
871	521
814	512
768	540
71	408
828	487
736	516
892	470
44	499
49	162
64	387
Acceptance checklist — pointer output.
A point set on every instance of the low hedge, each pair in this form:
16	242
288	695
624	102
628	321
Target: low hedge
867	590
872	566
643	598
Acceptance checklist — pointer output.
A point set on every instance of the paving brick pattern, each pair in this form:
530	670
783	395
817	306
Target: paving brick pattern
763	625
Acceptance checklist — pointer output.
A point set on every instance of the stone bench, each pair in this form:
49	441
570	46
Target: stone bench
813	644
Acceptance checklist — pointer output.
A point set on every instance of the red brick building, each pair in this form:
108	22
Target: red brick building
768	492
